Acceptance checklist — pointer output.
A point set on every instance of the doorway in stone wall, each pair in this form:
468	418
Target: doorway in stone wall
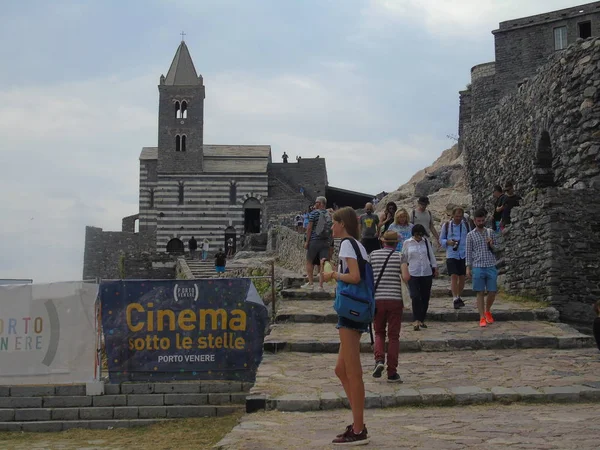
175	245
252	216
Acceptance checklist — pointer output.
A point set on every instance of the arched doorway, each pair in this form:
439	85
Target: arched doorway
252	216
175	245
230	241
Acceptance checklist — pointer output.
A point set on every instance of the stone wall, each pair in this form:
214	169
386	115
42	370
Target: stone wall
289	248
563	100
309	173
552	250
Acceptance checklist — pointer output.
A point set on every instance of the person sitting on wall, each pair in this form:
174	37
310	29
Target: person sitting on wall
220	261
511	199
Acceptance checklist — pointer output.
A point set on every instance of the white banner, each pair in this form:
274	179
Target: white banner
48	333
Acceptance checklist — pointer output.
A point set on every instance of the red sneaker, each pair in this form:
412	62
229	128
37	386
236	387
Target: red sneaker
488	317
482	322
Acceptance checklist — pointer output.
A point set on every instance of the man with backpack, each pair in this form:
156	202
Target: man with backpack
318	236
421	215
454	239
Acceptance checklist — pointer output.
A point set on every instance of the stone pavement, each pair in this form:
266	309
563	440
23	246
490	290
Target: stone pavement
520	426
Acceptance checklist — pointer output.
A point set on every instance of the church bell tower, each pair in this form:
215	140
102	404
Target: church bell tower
181	116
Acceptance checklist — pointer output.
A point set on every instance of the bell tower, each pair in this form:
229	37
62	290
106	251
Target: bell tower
181	115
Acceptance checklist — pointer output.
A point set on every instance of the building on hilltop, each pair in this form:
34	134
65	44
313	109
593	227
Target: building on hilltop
214	192
521	47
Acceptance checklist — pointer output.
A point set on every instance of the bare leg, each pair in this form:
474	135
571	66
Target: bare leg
461	285
321	262
350	351
490	301
309	271
454	286
340	372
480	304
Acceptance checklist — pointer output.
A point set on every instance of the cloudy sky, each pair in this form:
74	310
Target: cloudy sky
371	85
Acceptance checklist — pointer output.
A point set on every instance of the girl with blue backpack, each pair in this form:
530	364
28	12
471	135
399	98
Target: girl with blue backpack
355	305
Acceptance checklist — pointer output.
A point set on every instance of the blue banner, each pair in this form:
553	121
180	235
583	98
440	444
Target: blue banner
183	330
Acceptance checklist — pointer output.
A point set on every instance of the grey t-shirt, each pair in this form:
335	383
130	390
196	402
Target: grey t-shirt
424	218
369	223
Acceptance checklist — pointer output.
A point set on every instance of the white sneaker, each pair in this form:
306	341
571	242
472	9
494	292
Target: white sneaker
320	289
309	286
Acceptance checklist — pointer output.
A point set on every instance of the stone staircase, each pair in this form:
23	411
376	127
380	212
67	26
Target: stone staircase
525	355
201	269
62	407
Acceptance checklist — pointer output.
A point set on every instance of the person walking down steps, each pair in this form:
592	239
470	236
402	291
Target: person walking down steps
193	246
387	265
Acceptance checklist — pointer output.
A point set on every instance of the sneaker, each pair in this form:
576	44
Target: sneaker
349	428
423	325
488	317
350	439
482	322
456	304
320	289
394	378
308	286
379	366
461	304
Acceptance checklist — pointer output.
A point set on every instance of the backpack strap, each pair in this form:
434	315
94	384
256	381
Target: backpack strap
428	255
383	269
359	258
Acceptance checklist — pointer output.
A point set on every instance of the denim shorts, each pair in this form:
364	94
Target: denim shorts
484	279
361	327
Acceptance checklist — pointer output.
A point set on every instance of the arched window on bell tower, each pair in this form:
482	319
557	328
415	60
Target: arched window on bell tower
232	192
180	200
183	142
177	110
184	106
177	143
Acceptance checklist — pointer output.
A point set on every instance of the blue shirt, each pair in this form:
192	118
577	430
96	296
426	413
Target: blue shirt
451	231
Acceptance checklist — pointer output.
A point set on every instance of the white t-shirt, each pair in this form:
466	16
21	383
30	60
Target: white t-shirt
347	251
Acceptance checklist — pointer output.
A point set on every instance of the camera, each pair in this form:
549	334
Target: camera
456	244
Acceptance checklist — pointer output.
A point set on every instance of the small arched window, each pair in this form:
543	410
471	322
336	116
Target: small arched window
183	142
184	109
180	200
232	193
177	110
177	143
151	198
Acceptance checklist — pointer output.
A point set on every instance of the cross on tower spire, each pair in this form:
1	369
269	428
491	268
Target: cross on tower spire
182	36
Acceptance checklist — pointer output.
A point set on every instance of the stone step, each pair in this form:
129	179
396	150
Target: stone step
440	309
439	337
63	425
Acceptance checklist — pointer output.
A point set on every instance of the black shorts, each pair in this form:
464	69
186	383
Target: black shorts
456	266
318	248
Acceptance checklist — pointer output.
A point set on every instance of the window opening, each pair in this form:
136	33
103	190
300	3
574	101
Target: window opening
181	192
177	110
177	143
183	142
585	30
184	109
232	193
560	38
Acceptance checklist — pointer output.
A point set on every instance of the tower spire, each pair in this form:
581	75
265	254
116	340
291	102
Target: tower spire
182	71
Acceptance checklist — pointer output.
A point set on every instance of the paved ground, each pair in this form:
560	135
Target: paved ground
488	427
313	374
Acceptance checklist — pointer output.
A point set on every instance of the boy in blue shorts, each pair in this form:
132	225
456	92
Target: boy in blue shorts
220	259
481	266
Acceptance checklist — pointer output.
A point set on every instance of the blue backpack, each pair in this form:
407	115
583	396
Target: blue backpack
357	301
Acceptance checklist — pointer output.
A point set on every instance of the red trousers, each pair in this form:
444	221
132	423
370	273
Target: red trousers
389	314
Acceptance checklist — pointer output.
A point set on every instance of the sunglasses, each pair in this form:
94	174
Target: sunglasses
419	234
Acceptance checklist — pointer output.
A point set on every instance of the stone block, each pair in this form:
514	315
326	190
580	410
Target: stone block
372	400
42	427
433	345
32	414
31	391
226	410
73	424
388	401
408	397
565	342
73	390
107	424
436	396
6	415
109	400
505	395
537	342
65	414
20	402
220	387
566	394
67	402
464	344
145	400
189	399
112	389
239	398
471	395
144	422
587	393
137	388
10	426
529	394
96	413
219	399
125	412
180	412
177	388
152	412
410	346
330	400
4	391
246	386
295	402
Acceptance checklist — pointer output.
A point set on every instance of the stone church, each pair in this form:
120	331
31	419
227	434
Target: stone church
215	192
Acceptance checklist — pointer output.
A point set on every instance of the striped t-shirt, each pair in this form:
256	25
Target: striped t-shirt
390	286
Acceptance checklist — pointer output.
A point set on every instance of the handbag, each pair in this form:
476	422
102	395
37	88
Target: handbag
357	301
